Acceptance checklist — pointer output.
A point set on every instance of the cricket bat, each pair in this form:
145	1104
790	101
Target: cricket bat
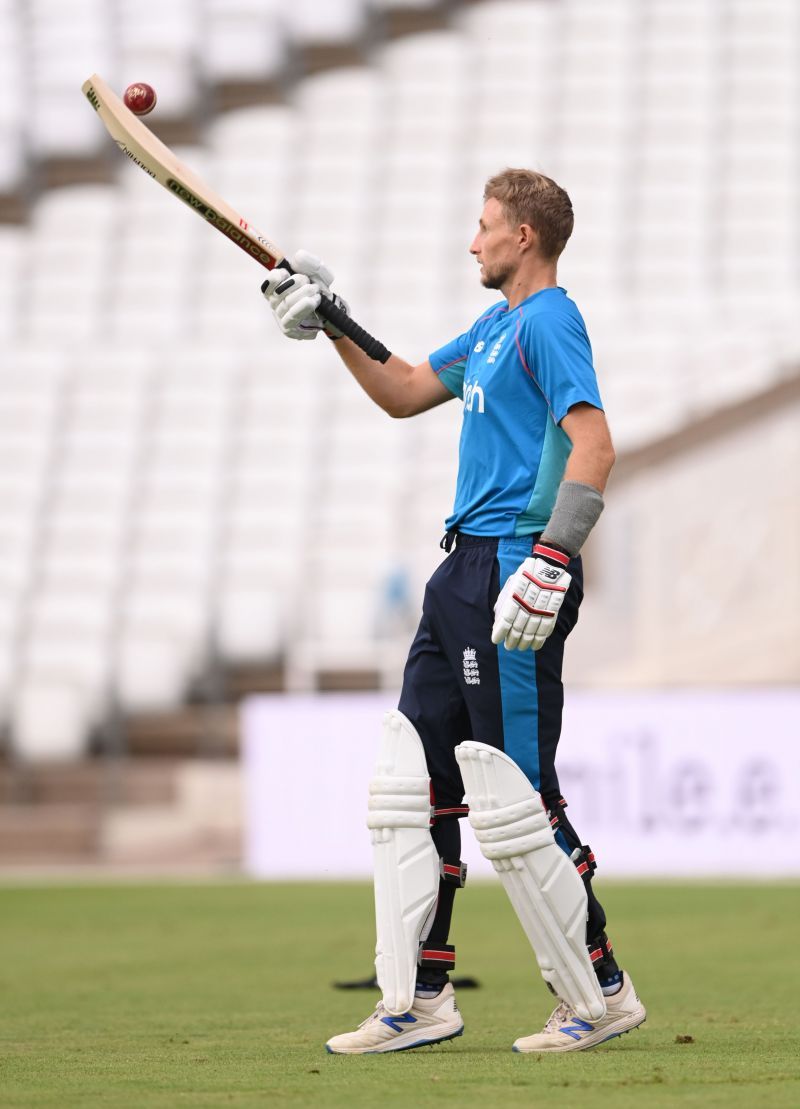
138	142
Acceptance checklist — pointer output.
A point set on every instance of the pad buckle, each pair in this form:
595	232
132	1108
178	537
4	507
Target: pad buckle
600	951
554	813
455	873
584	862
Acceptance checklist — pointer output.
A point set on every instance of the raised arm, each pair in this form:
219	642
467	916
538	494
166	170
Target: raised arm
396	386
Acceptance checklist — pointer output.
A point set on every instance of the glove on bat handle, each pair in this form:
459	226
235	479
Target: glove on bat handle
348	326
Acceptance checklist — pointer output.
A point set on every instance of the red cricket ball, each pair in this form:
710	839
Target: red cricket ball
140	98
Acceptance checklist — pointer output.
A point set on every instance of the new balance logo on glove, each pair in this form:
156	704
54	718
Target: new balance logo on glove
527	608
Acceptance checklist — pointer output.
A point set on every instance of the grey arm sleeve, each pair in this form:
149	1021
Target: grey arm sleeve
576	511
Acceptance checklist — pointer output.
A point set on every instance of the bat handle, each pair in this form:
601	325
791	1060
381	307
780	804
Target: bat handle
348	326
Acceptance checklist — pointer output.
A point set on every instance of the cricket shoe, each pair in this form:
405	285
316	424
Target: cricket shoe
428	1021
565	1031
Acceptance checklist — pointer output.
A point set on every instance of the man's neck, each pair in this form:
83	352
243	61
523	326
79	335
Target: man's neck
524	285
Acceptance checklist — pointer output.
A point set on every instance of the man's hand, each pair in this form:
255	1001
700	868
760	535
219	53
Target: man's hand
294	297
528	604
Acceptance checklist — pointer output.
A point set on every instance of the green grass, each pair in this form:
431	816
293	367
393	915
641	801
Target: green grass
219	995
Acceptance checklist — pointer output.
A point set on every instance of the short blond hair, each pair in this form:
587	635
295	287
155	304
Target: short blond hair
532	198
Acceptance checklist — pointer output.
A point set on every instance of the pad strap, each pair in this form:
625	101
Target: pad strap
585	862
554	813
454	872
457	811
440	956
601	950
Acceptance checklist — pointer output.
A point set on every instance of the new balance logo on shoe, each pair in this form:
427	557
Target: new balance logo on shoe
395	1022
575	1028
566	1031
429	1021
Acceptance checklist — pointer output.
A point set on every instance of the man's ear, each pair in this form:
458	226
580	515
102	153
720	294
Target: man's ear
527	237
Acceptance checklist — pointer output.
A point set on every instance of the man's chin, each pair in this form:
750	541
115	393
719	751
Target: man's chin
492	280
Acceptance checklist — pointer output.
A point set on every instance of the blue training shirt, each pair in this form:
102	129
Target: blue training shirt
518	372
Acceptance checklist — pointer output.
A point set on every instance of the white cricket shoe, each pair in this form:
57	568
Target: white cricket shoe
565	1031
428	1021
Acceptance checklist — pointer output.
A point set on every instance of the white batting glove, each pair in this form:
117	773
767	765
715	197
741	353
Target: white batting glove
294	298
527	607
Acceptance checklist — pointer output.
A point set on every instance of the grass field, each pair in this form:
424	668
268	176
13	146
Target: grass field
219	995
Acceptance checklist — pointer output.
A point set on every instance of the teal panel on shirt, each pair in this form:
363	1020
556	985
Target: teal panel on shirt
519	695
555	452
452	376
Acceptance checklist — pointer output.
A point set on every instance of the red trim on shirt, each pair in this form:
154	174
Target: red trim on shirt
525	365
492	312
461	358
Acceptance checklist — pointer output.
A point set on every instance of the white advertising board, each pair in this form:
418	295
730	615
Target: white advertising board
663	784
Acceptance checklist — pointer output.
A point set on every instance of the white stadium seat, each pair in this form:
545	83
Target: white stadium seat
153	669
238	46
49	719
251	622
173	474
311	23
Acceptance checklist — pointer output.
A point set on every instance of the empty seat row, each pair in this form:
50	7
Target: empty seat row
182	489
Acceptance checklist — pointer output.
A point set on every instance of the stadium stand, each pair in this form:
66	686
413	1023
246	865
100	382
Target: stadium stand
184	495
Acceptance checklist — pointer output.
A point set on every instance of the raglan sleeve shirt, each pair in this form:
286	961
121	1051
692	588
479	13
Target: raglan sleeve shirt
518	371
449	363
557	354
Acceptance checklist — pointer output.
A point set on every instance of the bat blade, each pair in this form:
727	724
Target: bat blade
135	139
145	150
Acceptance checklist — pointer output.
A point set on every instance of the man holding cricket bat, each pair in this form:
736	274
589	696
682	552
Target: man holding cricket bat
479	718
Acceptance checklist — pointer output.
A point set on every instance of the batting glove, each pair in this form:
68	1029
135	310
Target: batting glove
294	298
527	607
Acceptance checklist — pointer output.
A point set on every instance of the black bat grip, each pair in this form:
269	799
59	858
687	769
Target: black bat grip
348	326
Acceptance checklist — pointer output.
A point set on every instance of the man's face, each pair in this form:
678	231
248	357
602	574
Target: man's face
495	246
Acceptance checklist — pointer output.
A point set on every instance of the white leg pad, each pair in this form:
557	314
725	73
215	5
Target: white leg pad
548	895
406	861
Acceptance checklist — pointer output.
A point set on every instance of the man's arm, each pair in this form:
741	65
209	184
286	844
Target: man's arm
592	450
396	386
527	608
580	495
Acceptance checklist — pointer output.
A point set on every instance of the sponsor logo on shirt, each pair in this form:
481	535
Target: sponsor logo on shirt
496	350
473	394
479	346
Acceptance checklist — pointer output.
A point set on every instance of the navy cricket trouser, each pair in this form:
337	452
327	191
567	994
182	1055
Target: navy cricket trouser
458	685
